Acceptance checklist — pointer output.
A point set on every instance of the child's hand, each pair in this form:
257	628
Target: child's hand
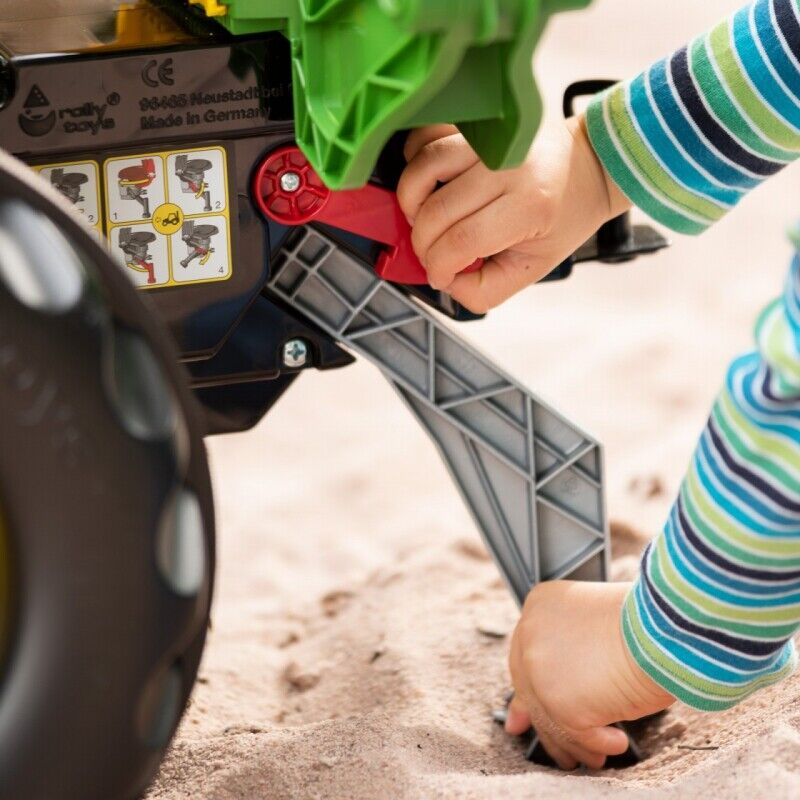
525	221
573	675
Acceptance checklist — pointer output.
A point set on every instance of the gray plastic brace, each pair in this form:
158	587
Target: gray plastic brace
532	480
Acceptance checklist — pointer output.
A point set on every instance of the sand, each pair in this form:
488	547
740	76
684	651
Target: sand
359	631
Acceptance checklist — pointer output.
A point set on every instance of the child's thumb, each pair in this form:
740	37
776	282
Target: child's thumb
518	720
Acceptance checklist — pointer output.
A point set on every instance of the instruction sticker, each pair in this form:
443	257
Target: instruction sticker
168	216
79	183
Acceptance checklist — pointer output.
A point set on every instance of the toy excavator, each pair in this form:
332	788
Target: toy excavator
225	118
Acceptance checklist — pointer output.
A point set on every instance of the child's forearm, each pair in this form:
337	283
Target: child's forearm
711	616
686	139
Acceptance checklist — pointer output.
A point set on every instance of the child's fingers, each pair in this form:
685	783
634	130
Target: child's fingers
518	720
493	284
437	162
419	137
606	740
463	196
558	752
490	230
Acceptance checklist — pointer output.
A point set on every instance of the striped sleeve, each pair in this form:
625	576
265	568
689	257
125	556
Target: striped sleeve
687	138
712	614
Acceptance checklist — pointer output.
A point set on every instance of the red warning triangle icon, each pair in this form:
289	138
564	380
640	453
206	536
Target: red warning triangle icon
36	98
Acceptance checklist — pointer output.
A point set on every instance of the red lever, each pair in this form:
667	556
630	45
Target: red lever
289	191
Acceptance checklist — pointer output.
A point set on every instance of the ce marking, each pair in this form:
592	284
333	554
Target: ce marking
155	73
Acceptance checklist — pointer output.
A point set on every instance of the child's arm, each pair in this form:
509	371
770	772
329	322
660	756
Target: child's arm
711	618
684	141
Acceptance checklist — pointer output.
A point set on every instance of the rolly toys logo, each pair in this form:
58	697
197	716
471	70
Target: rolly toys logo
38	118
133	182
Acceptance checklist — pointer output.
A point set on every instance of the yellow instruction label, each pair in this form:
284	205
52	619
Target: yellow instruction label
79	183
168	216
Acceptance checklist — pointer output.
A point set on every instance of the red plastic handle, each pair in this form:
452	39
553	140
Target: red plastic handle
289	191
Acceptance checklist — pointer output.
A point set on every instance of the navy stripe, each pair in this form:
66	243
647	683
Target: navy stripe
766	390
750	647
789	26
747	476
712	130
766	575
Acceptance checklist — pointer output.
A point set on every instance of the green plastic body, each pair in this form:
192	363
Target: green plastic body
364	69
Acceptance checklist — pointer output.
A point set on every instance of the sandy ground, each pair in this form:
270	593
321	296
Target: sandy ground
346	658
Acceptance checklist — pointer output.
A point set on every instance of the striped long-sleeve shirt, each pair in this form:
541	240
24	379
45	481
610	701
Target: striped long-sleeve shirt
712	614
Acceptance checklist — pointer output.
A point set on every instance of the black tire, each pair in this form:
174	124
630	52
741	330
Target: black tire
106	512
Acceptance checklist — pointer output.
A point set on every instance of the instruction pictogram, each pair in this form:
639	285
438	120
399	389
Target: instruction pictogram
79	183
168	215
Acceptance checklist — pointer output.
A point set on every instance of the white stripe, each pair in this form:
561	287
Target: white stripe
674	524
720	584
791	293
769	327
709	146
779	33
643	182
768	108
692	499
770	534
722	78
793	525
664	634
643	136
763	418
756	36
793	470
675	141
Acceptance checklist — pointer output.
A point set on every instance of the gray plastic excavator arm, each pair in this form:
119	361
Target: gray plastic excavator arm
532	480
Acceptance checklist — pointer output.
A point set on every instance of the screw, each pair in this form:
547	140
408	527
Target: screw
295	353
290	181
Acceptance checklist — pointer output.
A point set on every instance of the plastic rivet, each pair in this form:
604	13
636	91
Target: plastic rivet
290	181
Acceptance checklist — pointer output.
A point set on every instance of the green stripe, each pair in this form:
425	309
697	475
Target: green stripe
674	677
755	108
641	155
720	611
716	95
775	340
723	544
783	549
628	183
772	450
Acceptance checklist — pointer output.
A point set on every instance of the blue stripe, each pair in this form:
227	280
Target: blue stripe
748	362
713	670
675	532
726	506
778	57
696	147
719	593
741	490
672	158
749	372
707	648
752	62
